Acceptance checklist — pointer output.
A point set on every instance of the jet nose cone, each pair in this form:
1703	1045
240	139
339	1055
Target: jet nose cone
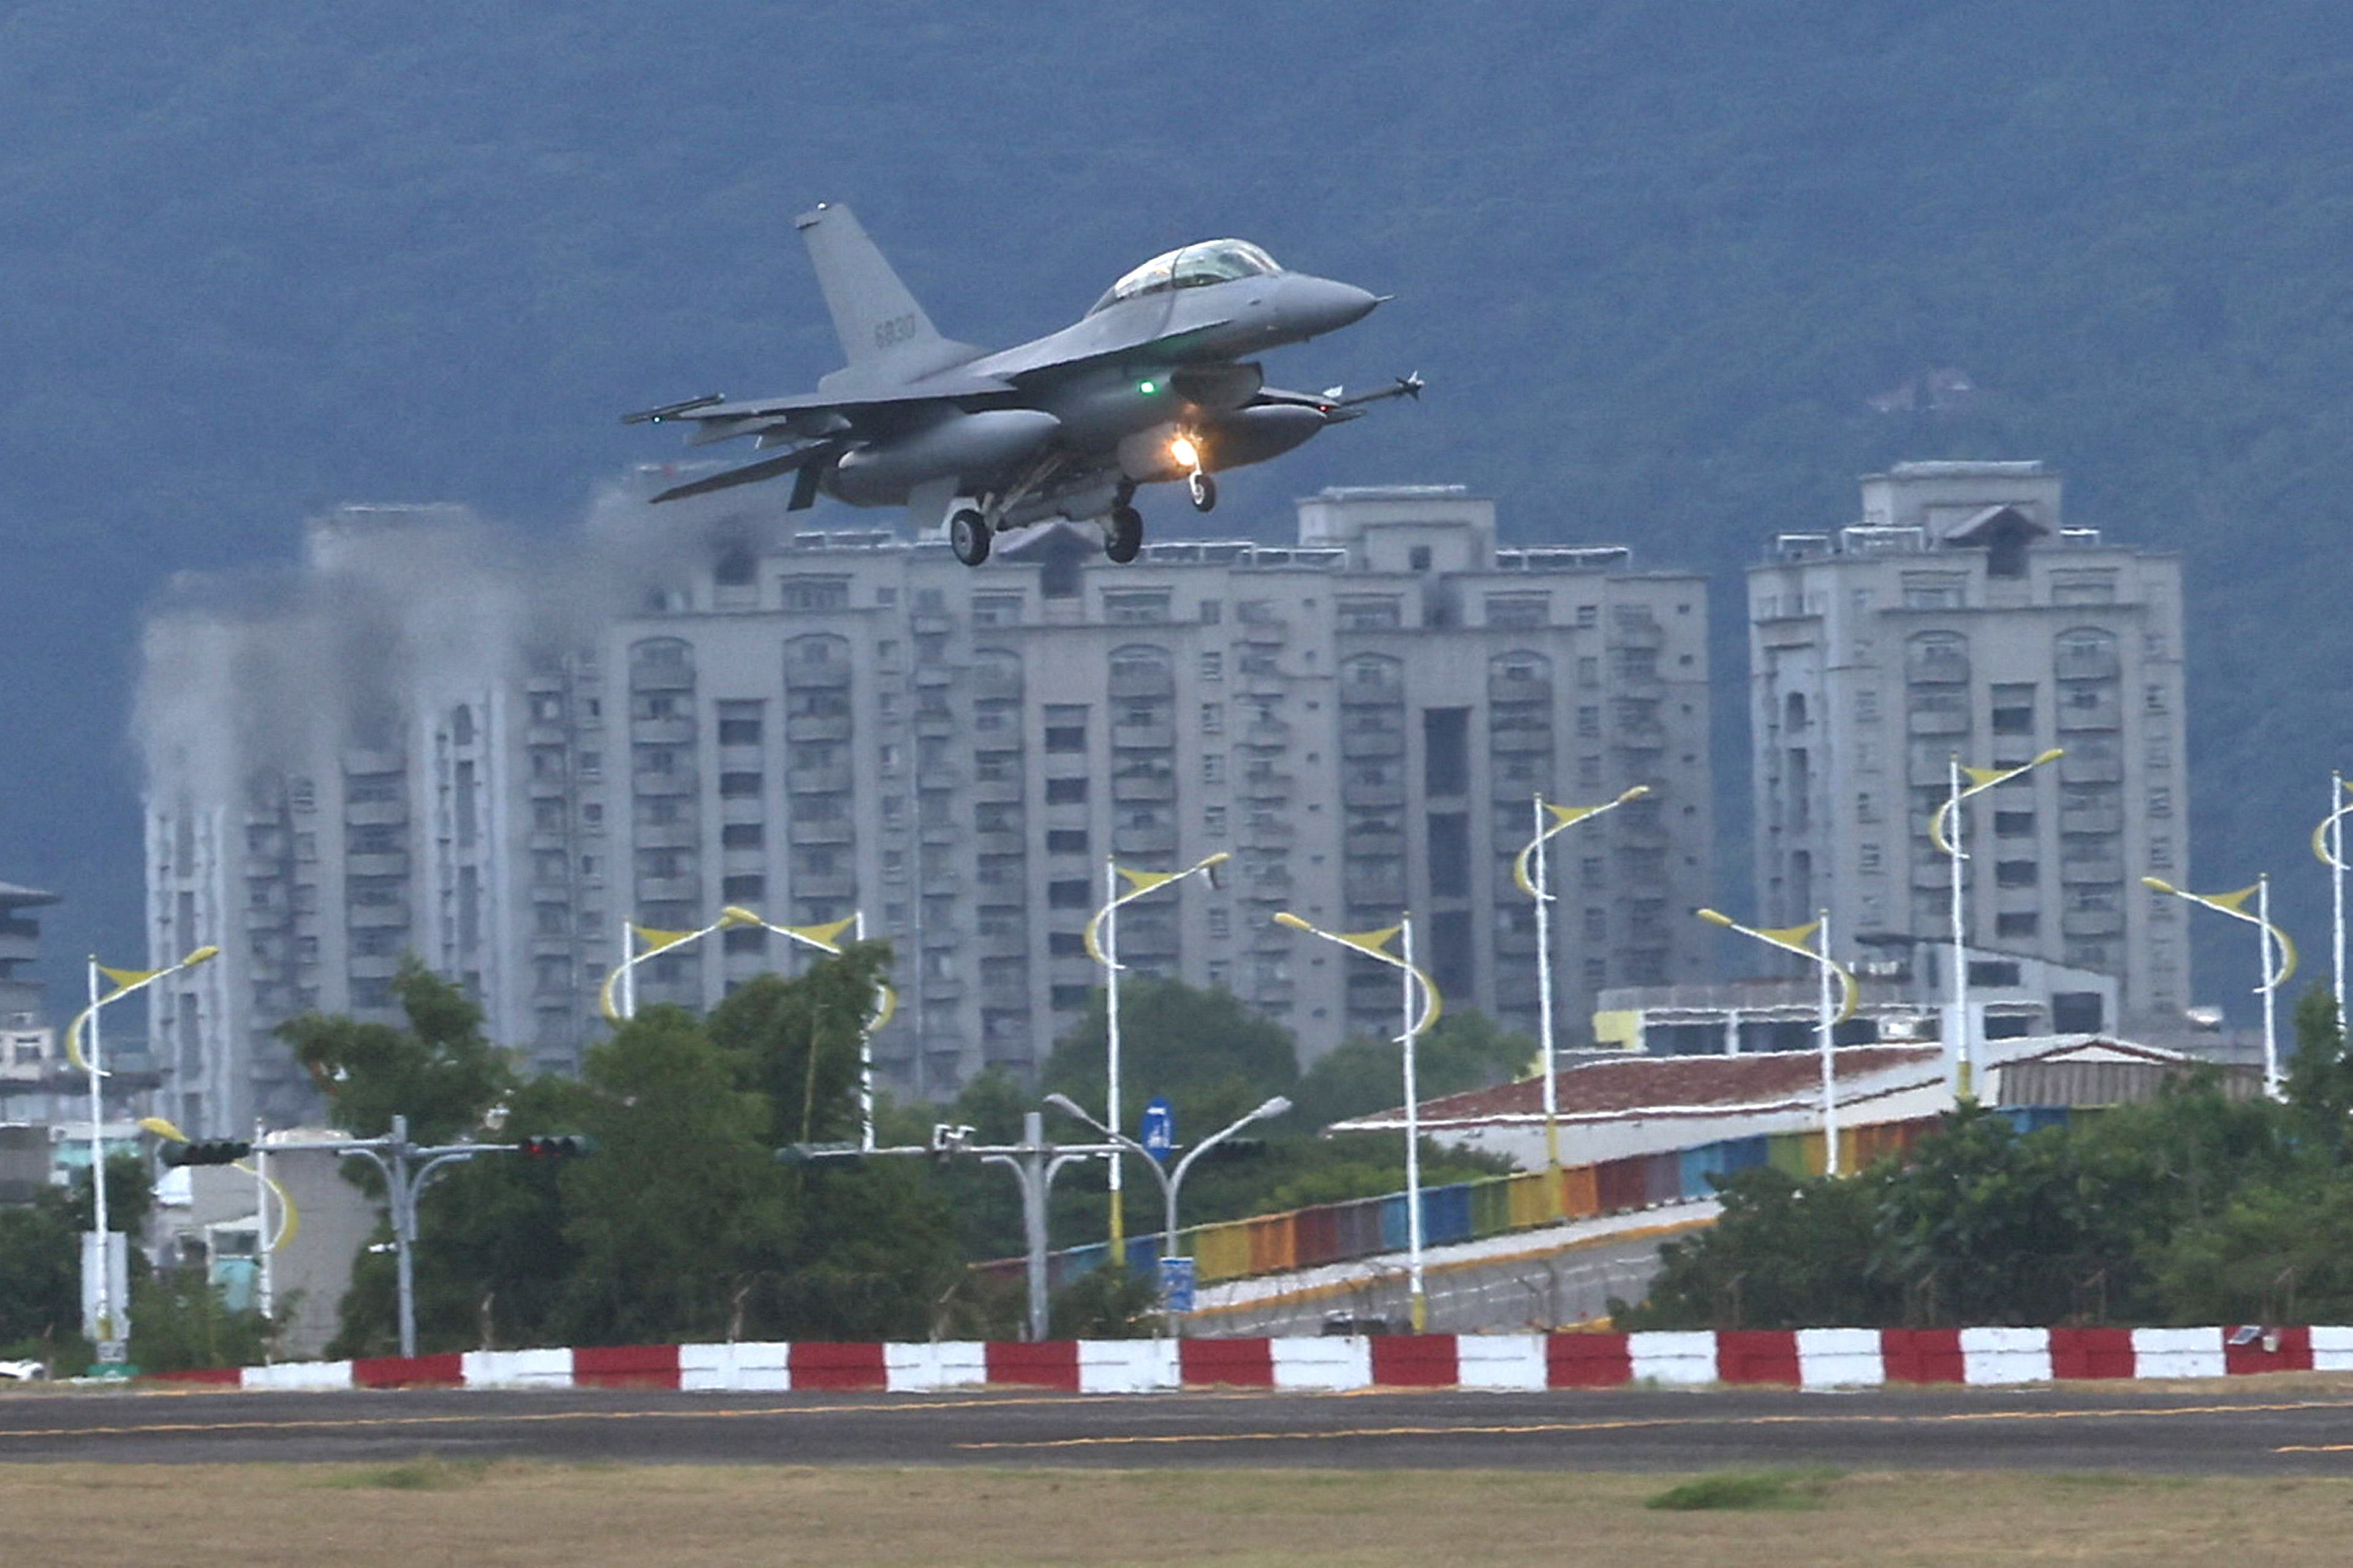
1321	305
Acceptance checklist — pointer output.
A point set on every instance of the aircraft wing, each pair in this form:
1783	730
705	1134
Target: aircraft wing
715	412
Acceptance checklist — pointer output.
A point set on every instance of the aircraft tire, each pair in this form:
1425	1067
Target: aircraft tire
1125	538
1204	492
968	536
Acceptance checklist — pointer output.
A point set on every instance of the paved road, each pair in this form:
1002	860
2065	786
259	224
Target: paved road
1524	1293
2251	1432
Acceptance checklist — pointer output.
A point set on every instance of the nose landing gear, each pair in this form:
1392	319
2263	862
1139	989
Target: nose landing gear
1203	489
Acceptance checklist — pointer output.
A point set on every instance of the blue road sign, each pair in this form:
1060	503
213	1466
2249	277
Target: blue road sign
1177	1284
1160	1128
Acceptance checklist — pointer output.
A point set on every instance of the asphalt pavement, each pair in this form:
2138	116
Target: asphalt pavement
2290	1431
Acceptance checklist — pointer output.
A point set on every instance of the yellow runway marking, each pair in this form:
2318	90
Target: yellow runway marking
1515	1429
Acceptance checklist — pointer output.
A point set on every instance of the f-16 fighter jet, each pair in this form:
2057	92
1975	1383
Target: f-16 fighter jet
1154	384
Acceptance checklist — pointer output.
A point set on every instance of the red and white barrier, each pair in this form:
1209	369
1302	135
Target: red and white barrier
1785	1358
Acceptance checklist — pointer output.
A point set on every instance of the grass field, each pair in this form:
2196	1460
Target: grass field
432	1510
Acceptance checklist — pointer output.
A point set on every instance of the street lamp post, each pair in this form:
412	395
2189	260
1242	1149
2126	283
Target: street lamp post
1551	820
1945	831
2271	943
1794	939
618	998
109	1317
1375	945
2328	843
1102	945
827	939
1171	1181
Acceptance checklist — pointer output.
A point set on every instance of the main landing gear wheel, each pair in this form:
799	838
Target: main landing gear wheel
968	537
1204	490
1124	537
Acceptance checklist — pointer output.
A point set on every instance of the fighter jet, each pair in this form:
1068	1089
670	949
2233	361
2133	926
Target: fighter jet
1154	384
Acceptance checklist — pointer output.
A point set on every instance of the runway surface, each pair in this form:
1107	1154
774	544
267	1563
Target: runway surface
2251	1432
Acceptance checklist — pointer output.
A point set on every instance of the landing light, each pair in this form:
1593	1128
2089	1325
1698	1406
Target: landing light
1186	454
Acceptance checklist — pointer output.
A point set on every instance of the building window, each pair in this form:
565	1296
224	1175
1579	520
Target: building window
1213	767
1066	792
1368	614
2016	873
805	594
1068	894
743	836
1519	609
1136	607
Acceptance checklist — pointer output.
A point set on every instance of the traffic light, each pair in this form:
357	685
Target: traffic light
562	1146
217	1151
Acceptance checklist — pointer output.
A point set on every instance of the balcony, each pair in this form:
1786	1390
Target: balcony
381	812
1272	787
991	686
662	731
2096	819
1518	742
831	885
1938	722
388	863
661	678
818	781
678	781
2102	665
1502	689
998	841
832	673
1152	683
1156	840
1372	743
377	917
1154	787
1142	737
818	727
1372	796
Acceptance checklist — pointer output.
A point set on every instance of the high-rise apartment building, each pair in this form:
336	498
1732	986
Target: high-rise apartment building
1962	617
411	748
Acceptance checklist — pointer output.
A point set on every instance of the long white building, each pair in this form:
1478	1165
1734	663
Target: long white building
1961	617
425	741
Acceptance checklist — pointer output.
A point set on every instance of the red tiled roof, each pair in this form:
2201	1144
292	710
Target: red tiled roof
1641	1083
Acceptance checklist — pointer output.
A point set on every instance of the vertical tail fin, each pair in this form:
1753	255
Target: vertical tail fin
885	335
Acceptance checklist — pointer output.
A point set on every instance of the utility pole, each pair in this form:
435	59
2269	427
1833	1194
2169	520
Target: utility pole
408	1169
1034	1161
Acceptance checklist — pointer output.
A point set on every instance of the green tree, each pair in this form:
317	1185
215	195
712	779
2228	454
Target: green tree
1211	1056
179	1320
40	1273
2280	1252
439	1071
2320	1083
681	1210
1464	1050
1786	1253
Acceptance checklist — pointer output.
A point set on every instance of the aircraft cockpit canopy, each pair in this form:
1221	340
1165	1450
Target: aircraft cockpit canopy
1192	266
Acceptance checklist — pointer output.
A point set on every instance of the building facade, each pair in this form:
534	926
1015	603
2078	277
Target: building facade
500	774
1961	618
